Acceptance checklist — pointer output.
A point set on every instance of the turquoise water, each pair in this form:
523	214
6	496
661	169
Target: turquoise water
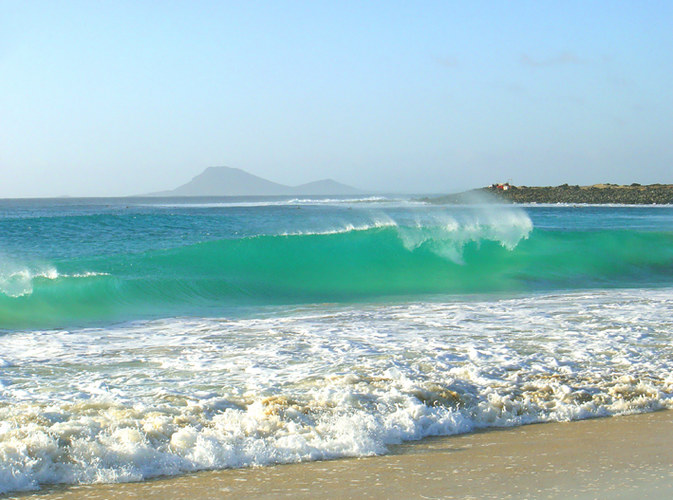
74	262
142	337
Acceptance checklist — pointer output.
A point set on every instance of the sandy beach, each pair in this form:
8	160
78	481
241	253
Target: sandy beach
619	457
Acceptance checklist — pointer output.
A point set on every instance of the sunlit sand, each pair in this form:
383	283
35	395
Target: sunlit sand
619	457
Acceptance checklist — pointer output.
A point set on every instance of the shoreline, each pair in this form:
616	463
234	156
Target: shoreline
616	457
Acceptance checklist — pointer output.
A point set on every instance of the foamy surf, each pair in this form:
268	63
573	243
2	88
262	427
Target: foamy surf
168	396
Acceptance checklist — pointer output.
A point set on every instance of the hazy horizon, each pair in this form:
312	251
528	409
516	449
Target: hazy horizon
115	99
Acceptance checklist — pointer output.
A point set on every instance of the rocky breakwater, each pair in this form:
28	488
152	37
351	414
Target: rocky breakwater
634	194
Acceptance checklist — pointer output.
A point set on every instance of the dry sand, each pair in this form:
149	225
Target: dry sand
619	457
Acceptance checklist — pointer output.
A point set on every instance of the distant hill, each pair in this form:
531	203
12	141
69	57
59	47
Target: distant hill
227	181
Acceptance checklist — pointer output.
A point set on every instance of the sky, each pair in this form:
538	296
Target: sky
112	98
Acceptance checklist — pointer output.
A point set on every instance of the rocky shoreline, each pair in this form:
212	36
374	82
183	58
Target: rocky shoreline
634	194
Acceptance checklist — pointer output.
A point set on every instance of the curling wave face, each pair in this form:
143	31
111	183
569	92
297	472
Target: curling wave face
372	257
353	264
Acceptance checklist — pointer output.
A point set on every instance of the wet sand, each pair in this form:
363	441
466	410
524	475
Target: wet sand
619	457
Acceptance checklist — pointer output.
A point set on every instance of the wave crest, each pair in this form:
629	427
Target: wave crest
17	280
501	254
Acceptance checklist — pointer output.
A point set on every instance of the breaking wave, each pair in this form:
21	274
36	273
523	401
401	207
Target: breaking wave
348	264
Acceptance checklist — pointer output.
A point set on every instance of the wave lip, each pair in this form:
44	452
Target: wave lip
20	282
346	228
17	281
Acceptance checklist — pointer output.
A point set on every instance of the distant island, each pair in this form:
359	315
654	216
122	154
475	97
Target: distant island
227	181
633	194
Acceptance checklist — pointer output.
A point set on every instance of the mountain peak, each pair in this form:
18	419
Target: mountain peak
231	181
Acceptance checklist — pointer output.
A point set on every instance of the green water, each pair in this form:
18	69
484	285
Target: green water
160	261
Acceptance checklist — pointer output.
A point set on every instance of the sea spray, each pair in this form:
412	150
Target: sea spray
16	280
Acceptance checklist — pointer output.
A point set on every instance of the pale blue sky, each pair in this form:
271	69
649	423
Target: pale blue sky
116	98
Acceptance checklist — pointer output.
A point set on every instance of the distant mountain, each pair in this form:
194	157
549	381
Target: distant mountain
227	181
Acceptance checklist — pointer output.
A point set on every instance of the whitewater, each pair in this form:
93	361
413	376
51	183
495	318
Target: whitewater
146	337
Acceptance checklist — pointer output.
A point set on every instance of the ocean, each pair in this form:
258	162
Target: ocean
146	337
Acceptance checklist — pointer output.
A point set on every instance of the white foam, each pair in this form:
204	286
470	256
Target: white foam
16	279
381	221
19	280
168	396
